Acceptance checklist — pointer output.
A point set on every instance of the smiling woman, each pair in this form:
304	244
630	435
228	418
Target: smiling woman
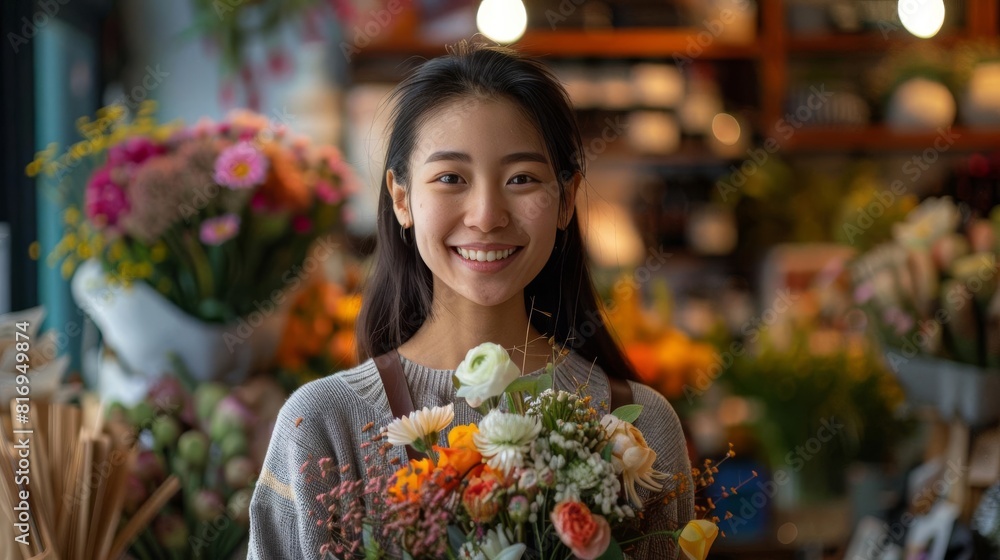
477	242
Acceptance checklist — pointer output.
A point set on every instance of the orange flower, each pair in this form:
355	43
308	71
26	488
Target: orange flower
462	460
285	185
587	535
478	499
409	479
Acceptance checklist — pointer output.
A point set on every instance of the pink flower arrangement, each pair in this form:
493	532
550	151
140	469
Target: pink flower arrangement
215	216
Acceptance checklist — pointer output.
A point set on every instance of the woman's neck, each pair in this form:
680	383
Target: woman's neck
455	327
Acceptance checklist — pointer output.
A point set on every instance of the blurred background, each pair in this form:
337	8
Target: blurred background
790	211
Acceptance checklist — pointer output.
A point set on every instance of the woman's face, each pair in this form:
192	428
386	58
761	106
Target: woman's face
483	200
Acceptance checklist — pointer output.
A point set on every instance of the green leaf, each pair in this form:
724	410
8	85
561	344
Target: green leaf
522	385
606	453
614	552
628	413
456	538
544	383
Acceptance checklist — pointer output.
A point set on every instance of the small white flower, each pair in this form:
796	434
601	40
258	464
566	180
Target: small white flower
484	373
416	426
504	439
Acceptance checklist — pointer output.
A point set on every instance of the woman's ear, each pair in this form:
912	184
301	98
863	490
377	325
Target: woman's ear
400	205
569	202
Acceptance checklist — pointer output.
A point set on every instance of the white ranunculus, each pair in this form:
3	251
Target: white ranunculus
484	373
632	457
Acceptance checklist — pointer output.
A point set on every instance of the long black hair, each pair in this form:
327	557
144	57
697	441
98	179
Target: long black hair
561	300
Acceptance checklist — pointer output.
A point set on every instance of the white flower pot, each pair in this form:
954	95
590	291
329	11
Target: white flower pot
144	329
955	389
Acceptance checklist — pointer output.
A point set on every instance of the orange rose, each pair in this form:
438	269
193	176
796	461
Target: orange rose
587	535
479	501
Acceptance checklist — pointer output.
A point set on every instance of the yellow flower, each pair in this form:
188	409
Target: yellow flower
68	266
83	251
71	215
460	437
697	537
158	253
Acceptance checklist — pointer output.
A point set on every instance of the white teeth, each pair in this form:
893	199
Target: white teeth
485	256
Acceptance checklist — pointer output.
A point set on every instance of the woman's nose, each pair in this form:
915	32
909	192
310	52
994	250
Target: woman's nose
487	209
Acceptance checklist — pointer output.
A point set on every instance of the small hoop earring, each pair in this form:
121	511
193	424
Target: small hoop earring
402	235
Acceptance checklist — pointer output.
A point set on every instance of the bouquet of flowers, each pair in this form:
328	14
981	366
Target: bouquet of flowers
933	289
215	216
542	476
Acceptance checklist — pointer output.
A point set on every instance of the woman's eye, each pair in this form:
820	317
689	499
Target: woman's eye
521	179
450	179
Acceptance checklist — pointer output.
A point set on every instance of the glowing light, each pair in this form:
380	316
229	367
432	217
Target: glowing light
922	18
504	21
787	533
726	129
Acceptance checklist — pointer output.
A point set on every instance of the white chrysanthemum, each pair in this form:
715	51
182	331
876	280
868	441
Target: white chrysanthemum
504	439
416	426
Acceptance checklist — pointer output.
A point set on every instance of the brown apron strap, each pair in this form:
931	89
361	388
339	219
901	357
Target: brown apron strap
396	390
621	392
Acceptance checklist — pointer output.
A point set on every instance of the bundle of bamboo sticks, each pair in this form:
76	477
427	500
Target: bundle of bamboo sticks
63	482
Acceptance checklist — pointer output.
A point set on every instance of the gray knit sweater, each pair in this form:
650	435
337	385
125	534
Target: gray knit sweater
325	418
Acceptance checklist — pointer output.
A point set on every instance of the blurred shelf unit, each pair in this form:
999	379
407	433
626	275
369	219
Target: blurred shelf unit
769	53
877	138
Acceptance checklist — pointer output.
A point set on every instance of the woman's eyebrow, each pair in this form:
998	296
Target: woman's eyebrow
515	157
524	156
449	156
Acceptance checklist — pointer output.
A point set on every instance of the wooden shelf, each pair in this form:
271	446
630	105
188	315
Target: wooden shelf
868	42
883	139
639	43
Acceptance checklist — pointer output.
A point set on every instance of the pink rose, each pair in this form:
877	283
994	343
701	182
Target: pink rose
587	535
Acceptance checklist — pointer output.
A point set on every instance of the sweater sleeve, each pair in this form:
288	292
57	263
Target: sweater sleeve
282	522
672	507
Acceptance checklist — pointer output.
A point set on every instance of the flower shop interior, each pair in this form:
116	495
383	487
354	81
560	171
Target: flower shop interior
790	213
